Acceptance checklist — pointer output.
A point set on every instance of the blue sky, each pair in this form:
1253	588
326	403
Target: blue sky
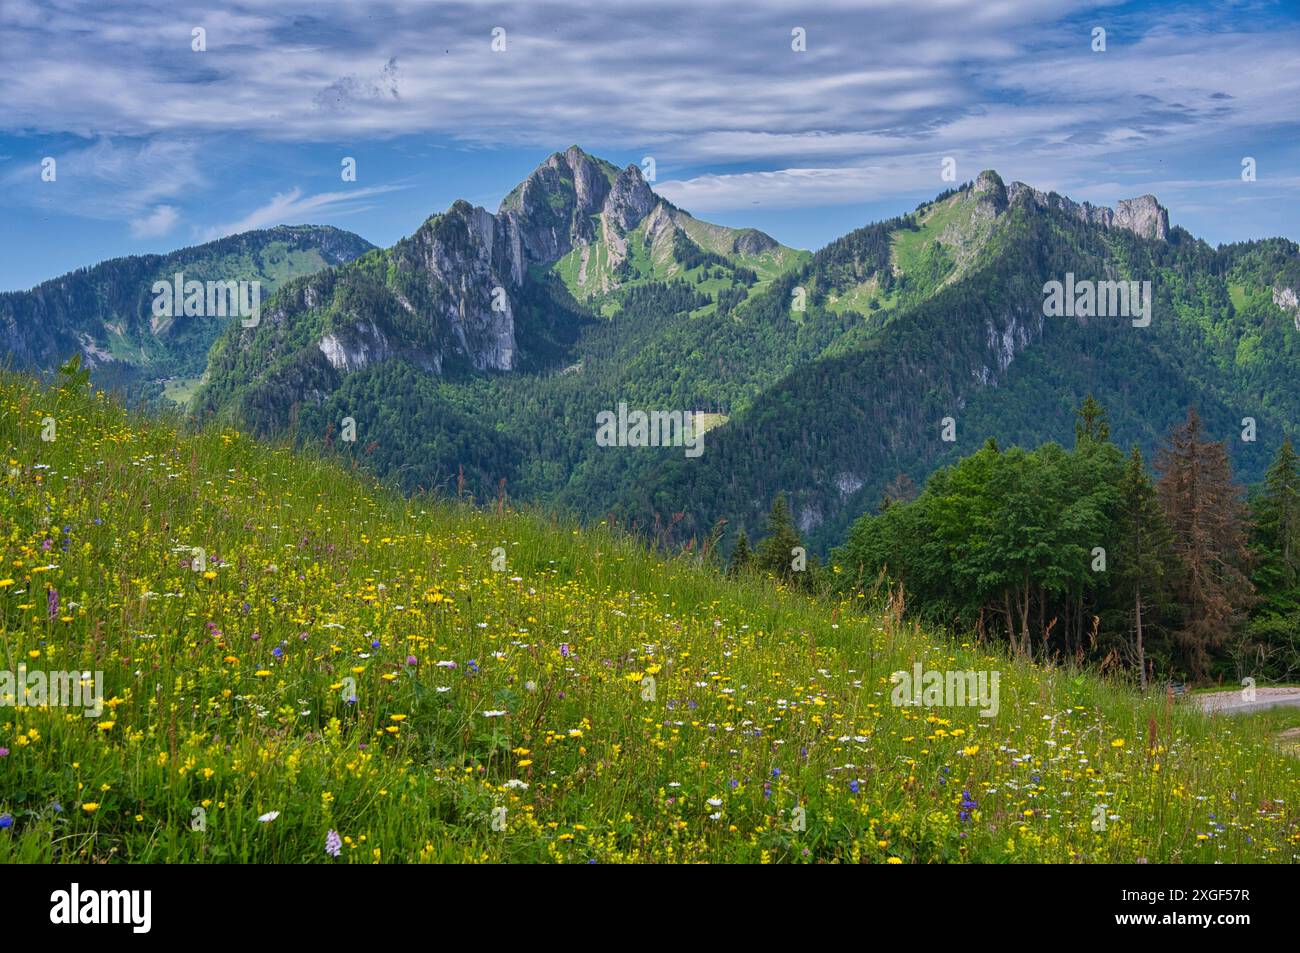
159	146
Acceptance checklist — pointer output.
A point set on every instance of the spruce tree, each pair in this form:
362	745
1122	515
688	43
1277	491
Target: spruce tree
740	556
1142	551
900	490
1208	524
1279	520
1090	422
775	554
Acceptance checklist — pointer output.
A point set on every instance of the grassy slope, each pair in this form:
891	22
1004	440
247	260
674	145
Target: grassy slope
947	239
719	239
764	701
651	264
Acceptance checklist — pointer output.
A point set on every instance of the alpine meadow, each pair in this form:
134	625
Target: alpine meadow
743	435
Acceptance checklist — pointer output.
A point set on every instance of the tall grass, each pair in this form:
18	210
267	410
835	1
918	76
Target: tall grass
350	661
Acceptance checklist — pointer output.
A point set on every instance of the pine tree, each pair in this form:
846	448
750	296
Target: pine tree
1090	422
741	556
900	490
1208	524
1142	551
776	554
1278	514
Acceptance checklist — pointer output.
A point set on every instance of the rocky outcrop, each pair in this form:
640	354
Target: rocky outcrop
630	199
359	346
552	210
1288	300
1143	216
1003	343
659	225
462	264
753	242
991	192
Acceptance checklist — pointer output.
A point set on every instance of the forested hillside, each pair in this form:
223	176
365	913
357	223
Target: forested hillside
105	313
834	432
475	355
1163	568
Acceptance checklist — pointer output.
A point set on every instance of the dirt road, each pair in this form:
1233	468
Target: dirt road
1233	703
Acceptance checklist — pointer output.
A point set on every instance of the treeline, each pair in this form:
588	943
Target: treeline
780	554
660	298
1085	554
691	256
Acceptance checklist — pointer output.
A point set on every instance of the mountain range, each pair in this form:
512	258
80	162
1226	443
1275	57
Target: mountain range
105	312
474	356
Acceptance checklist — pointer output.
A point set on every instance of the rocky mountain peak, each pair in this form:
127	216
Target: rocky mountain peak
991	191
1143	216
630	198
753	242
557	206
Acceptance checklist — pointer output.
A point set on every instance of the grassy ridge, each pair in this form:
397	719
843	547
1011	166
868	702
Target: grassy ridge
523	687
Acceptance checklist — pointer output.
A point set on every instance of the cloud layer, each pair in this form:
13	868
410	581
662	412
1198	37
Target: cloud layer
711	88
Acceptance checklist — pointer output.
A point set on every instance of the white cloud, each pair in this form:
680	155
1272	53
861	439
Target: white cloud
156	224
292	208
781	188
885	89
641	72
110	179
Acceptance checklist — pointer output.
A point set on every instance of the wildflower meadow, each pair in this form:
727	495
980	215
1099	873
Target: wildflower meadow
300	665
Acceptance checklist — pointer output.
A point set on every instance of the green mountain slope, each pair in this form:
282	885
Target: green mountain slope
978	348
286	650
472	293
482	348
490	320
105	312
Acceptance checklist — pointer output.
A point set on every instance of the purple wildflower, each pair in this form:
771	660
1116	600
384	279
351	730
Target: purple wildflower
333	843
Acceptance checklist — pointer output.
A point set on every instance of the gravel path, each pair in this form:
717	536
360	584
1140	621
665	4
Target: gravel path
1232	702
